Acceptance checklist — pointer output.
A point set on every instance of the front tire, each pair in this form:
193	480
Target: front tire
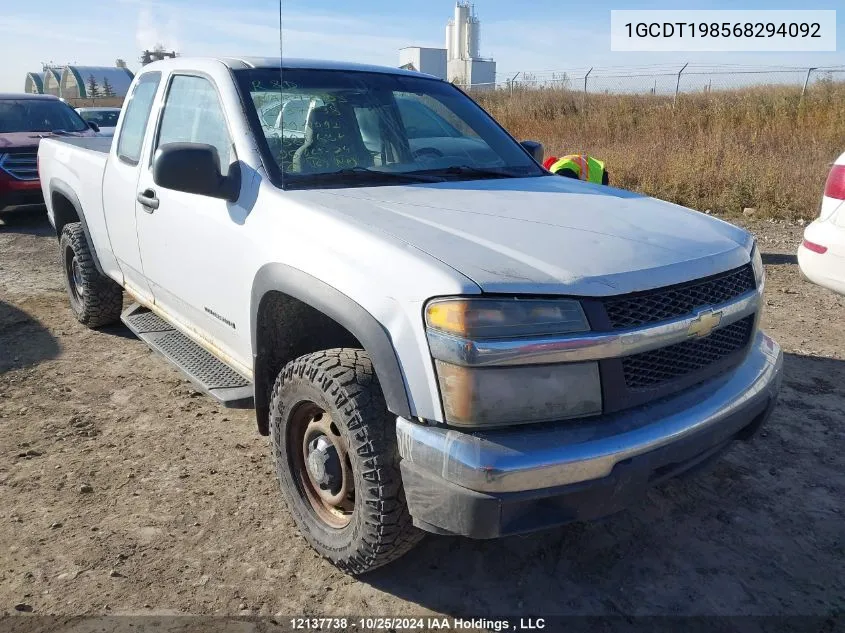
95	299
336	458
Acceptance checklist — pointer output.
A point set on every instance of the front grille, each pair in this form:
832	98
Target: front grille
652	369
677	301
21	165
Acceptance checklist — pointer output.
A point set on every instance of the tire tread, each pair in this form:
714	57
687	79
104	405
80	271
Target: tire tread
103	299
347	378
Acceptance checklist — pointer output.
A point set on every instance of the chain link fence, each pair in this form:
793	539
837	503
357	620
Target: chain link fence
666	80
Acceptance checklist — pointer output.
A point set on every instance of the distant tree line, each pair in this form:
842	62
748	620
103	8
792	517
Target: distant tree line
97	91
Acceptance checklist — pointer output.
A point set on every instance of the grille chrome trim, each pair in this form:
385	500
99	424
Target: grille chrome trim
20	165
584	346
661	304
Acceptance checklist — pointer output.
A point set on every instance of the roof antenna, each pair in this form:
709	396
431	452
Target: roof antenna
281	96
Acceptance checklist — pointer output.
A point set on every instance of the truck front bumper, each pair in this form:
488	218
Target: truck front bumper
494	483
15	192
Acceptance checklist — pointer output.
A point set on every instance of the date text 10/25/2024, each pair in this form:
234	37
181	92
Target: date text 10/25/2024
416	624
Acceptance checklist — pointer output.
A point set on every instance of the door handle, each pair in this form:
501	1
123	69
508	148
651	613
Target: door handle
148	200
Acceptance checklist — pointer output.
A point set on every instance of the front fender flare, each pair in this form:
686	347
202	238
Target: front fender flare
345	311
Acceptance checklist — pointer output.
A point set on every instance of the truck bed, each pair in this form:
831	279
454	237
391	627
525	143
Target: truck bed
101	144
72	168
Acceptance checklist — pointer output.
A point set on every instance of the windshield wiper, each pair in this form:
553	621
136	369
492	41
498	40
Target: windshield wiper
467	170
359	174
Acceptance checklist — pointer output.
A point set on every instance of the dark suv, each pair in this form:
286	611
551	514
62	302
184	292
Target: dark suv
24	120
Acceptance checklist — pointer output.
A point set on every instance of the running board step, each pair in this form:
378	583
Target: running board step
202	368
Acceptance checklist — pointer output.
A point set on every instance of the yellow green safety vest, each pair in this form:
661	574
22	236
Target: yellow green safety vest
585	167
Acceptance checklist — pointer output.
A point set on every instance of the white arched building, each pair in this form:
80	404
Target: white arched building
76	82
34	83
90	82
52	82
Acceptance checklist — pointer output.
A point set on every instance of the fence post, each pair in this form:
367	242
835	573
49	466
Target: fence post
678	85
585	87
512	80
806	81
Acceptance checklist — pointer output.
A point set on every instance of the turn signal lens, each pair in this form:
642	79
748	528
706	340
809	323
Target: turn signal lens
816	248
505	318
757	265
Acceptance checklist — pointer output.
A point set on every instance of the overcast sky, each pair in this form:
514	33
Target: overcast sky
535	36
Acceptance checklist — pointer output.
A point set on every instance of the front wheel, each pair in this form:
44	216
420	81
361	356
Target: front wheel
337	462
95	299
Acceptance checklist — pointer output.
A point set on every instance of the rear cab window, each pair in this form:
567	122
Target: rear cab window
420	119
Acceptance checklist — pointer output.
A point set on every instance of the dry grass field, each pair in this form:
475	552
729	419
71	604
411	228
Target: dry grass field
759	147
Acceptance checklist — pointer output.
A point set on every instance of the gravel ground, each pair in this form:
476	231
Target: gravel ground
124	491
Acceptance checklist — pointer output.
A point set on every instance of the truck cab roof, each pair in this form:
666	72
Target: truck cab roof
242	63
17	96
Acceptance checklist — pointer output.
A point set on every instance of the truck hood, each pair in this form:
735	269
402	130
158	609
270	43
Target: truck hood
548	235
21	140
24	140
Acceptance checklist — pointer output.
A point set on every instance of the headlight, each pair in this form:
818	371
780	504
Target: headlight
757	265
505	318
516	394
499	396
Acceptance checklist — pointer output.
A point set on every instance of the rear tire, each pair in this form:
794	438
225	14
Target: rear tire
95	299
330	403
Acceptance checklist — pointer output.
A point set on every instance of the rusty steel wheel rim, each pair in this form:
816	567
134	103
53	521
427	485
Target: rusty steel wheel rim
321	465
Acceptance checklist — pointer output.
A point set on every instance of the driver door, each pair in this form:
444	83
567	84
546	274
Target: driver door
191	244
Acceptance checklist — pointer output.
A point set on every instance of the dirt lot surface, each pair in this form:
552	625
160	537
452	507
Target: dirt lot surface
124	491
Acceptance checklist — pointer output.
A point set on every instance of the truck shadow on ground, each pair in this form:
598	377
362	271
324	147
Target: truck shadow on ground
29	220
758	532
24	341
779	259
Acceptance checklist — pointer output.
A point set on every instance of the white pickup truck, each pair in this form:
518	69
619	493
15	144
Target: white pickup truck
436	333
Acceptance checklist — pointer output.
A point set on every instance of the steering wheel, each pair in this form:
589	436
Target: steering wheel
427	153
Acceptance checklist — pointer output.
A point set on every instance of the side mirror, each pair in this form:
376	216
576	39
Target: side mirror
535	148
194	168
93	126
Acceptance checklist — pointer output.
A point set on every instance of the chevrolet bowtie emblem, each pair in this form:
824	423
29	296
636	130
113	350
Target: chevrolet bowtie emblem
704	323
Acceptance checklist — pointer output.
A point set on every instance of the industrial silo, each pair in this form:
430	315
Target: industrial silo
460	34
473	37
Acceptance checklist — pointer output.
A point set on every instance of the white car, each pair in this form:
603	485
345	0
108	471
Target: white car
105	118
821	255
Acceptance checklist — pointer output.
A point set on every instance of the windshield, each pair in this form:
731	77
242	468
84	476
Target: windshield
327	128
103	118
38	115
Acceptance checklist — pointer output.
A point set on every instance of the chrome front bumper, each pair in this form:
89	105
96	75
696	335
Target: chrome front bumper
547	456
